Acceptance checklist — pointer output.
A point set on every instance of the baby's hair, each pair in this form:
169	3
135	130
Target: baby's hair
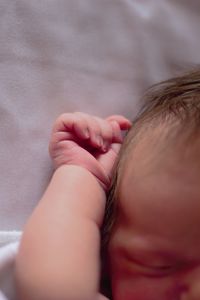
175	103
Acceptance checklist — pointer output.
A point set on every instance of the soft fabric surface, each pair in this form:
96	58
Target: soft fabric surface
7	261
95	56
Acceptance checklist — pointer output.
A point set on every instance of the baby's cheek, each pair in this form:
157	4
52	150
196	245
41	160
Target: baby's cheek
137	290
142	288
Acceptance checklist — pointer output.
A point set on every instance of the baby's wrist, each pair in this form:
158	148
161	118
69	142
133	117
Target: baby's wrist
87	195
97	173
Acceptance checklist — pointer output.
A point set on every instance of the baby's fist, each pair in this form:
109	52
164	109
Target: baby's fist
87	141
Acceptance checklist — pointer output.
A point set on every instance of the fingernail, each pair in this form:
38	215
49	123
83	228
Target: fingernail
104	147
100	142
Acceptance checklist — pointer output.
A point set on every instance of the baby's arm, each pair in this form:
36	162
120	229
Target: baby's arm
60	247
59	253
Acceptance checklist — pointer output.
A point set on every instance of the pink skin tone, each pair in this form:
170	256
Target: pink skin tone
88	141
155	247
62	236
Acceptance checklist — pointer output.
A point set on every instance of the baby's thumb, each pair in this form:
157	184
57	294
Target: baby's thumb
107	160
116	147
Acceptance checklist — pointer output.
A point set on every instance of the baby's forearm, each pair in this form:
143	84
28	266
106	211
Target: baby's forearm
59	253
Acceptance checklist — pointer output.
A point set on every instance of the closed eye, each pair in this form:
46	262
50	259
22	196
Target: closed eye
164	268
153	270
152	264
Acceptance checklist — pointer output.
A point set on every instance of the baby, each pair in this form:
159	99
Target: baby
151	229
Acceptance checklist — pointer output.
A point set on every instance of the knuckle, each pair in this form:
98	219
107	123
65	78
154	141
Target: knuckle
61	118
81	115
108	132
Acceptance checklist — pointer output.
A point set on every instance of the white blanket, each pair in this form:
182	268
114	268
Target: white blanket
9	242
95	56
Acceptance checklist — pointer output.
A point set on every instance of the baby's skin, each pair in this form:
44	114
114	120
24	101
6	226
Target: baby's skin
154	249
88	141
59	254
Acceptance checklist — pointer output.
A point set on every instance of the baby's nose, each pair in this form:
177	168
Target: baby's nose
193	294
192	286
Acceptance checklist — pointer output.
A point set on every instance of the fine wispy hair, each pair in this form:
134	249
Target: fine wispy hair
174	103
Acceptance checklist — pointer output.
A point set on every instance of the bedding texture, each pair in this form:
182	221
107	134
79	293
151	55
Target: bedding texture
95	56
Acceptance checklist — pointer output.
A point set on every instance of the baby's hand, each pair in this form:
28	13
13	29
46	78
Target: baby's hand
88	141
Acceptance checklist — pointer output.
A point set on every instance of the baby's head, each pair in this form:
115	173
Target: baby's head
154	206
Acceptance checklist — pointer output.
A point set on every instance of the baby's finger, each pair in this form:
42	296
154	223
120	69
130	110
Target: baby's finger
117	134
72	122
107	159
106	133
123	122
94	130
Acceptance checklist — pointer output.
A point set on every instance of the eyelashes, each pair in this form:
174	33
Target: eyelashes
163	269
151	267
152	270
